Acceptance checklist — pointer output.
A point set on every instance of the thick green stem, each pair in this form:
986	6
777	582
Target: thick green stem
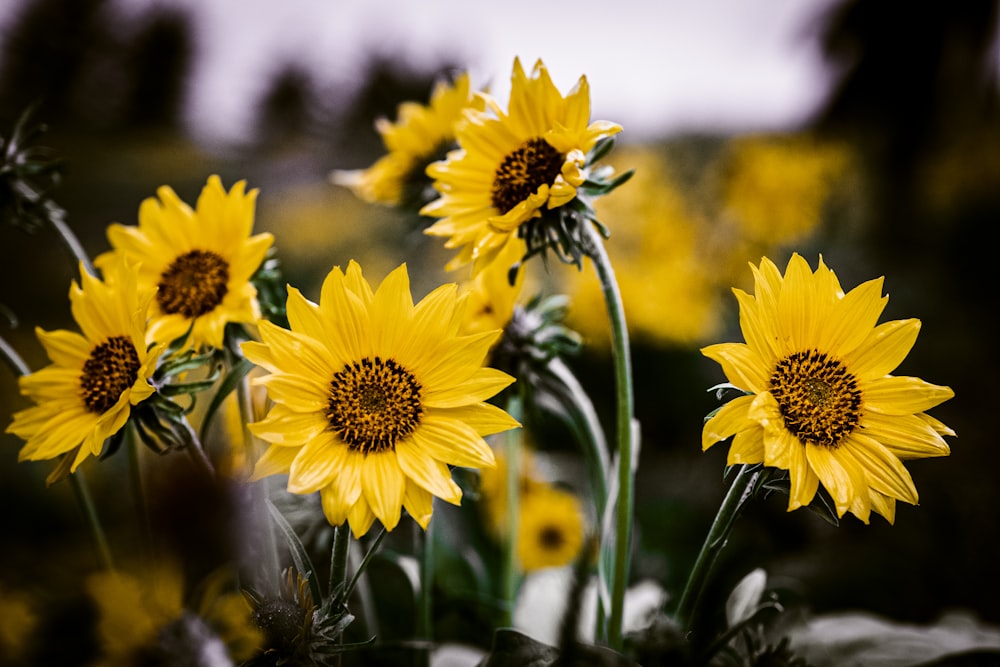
624	430
716	539
82	492
338	557
509	573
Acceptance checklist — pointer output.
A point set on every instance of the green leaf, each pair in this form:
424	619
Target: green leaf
599	151
229	383
299	555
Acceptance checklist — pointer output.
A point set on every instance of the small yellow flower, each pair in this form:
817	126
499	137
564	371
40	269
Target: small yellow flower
200	260
551	528
375	398
420	135
510	165
821	402
493	490
86	394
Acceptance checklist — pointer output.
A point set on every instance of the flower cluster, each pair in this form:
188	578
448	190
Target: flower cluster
350	410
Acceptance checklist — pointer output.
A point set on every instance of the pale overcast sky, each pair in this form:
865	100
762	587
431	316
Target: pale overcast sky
654	67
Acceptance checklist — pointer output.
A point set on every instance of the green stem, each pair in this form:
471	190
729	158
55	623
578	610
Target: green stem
627	447
716	539
77	480
425	612
70	240
338	557
509	566
13	359
82	492
587	429
139	490
356	577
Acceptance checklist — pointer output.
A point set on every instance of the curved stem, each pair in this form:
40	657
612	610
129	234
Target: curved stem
624	430
587	429
716	539
13	359
71	241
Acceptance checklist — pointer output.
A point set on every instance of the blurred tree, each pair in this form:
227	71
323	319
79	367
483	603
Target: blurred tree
157	68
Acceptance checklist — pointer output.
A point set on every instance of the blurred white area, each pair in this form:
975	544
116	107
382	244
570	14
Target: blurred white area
541	605
654	67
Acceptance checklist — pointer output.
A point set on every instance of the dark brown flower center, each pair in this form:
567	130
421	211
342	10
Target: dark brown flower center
194	284
531	165
374	404
818	397
112	367
551	538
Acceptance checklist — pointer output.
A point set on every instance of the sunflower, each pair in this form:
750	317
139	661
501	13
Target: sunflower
820	402
86	394
420	135
550	530
510	165
200	260
375	398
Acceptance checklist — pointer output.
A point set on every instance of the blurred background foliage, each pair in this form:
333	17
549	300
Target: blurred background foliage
898	175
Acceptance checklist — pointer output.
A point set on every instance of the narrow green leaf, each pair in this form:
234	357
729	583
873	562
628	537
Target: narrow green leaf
299	555
229	383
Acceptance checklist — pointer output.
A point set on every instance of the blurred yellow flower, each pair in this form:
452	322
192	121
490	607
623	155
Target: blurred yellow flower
510	165
490	296
820	401
493	489
375	398
661	263
420	135
18	622
86	394
776	187
201	261
550	530
144	618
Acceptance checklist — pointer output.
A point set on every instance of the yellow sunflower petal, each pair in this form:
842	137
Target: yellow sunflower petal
453	442
360	517
884	470
884	349
316	464
429	473
904	395
418	503
731	418
383	486
906	436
